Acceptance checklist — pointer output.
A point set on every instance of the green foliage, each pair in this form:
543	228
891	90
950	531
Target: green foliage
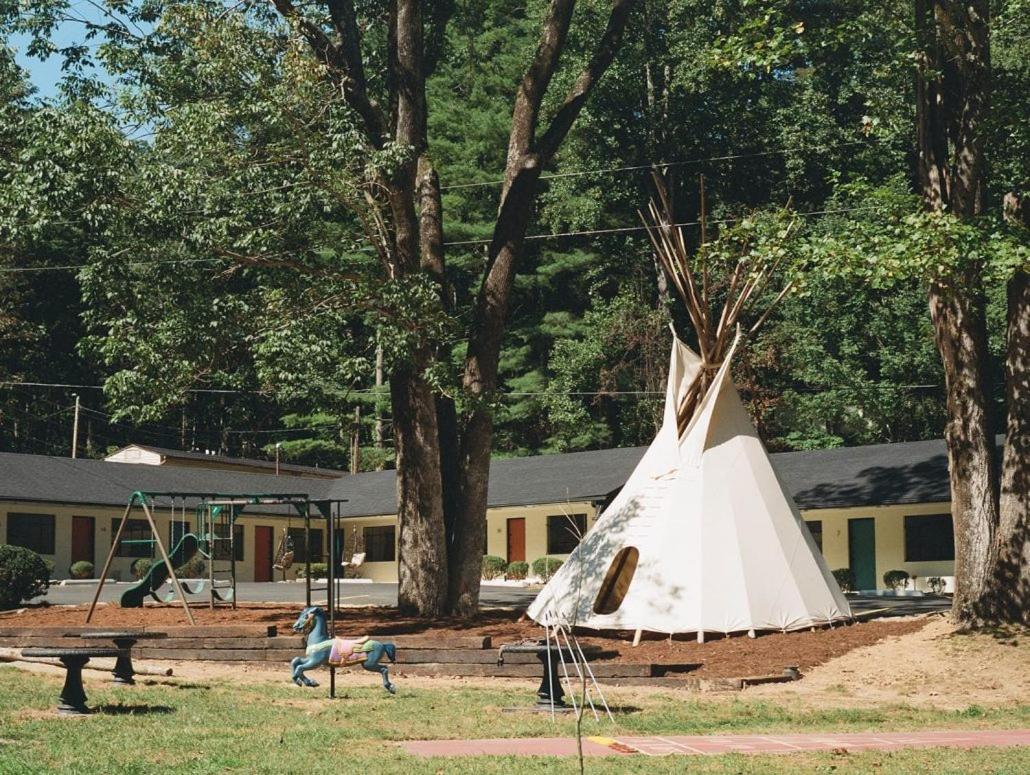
517	570
845	579
545	567
141	567
23	575
194	568
936	584
83	569
494	567
319	570
896	579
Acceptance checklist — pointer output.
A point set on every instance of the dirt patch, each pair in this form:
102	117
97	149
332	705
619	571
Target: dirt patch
718	658
931	666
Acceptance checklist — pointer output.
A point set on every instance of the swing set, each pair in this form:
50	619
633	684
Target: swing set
215	542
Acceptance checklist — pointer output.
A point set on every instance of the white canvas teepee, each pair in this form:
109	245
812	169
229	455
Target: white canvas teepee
702	538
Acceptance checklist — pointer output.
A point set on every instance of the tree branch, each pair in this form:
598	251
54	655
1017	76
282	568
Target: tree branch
343	62
588	78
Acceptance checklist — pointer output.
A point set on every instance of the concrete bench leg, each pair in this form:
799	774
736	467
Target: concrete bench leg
72	701
123	670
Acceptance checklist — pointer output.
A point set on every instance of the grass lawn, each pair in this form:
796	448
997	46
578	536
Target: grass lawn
190	727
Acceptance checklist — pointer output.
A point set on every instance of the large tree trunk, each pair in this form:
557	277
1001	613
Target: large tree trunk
1013	570
960	330
422	574
952	93
529	151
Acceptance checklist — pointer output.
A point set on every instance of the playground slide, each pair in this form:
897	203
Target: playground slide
158	573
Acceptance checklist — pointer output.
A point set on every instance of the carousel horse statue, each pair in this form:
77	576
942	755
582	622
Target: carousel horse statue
321	647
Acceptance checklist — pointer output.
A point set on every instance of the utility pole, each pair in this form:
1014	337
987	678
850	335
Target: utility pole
378	404
278	444
75	427
355	442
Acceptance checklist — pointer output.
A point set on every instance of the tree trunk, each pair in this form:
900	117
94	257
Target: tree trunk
422	552
1013	571
961	334
952	93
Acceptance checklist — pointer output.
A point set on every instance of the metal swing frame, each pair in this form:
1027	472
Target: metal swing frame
235	503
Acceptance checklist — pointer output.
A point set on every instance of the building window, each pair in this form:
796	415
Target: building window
929	538
32	531
564	532
221	548
300	554
176	530
815	527
380	543
137	530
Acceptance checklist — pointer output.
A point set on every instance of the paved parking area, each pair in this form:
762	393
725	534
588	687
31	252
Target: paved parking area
351	593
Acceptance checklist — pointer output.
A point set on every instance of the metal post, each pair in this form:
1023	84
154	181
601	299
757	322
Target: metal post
232	551
307	554
211	544
110	556
75	428
167	561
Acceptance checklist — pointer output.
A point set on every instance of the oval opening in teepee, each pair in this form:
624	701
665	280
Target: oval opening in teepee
616	581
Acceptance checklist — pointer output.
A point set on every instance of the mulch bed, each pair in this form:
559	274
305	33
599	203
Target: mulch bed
719	657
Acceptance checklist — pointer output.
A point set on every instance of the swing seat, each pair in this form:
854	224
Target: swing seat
285	562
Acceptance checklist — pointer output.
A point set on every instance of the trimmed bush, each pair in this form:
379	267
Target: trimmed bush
23	575
895	579
936	584
494	566
545	567
194	568
83	569
845	579
141	567
517	570
319	570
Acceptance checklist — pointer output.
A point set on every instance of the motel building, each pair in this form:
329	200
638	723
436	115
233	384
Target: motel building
872	509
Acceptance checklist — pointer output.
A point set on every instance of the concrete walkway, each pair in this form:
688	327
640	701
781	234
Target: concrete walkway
710	745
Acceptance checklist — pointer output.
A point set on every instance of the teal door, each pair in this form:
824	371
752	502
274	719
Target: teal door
862	551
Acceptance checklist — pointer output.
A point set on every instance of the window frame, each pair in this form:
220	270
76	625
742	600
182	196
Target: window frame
41	523
559	523
135	525
371	542
913	533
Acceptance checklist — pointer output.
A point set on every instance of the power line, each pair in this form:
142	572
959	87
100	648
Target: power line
663	164
101	387
625	229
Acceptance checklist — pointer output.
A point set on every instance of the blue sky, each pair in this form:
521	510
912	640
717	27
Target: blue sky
46	74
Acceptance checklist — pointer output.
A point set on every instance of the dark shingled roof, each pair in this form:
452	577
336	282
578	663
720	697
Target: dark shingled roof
880	474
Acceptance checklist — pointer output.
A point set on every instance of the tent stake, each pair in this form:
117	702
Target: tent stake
636	637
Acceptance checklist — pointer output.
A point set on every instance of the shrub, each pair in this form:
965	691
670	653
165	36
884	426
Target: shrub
545	567
936	584
494	566
83	569
23	575
193	568
319	570
895	579
517	570
845	579
141	567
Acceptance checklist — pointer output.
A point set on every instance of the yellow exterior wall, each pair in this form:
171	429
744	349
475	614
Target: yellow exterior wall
536	526
889	528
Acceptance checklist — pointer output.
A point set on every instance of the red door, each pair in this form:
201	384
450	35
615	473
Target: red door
517	539
263	538
82	539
